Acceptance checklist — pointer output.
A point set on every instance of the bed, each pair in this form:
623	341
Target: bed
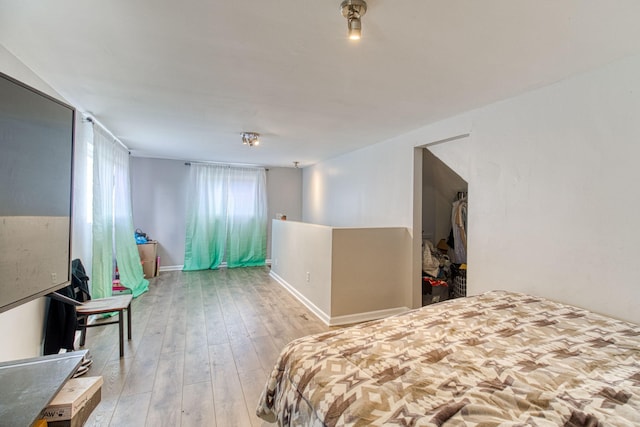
499	358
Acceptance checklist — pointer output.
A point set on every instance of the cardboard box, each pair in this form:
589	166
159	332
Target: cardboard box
149	258
81	417
75	394
149	269
148	250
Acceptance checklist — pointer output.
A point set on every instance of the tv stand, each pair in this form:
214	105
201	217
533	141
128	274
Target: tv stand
28	385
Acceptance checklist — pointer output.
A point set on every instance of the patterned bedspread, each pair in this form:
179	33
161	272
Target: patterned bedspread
495	359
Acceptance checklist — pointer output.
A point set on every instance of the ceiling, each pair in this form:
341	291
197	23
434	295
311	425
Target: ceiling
181	80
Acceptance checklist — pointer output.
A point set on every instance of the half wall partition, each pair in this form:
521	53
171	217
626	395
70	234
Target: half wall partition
344	275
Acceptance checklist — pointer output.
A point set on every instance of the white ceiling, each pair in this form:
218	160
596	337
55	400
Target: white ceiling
181	80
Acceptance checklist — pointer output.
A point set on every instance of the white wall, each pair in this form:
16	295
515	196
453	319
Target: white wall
554	192
365	188
551	178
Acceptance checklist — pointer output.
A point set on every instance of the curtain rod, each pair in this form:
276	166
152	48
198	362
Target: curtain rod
94	122
237	165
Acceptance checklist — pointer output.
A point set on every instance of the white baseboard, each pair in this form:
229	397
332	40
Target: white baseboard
171	268
304	300
180	267
366	316
337	320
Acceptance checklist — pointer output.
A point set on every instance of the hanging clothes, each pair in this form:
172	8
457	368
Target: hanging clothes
459	228
62	319
61	324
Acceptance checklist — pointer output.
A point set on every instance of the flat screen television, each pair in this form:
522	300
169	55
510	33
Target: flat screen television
36	164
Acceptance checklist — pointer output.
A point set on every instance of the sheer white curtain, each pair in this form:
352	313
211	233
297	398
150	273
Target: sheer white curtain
112	221
82	191
226	217
103	185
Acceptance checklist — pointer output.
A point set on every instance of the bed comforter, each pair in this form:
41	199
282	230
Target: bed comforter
495	359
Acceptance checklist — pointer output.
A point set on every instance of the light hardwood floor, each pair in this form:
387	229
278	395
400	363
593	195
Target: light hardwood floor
202	346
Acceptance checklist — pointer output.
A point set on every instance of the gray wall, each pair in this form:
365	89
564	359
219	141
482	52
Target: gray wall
440	185
159	191
284	196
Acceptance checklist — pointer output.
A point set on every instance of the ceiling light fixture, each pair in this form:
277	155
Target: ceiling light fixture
250	138
353	10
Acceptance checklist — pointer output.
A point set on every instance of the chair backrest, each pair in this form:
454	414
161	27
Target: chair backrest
80	281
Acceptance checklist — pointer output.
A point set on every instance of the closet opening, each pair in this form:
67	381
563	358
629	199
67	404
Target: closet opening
444	231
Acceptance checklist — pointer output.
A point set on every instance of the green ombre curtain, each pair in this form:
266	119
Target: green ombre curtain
226	217
246	218
127	255
206	217
112	228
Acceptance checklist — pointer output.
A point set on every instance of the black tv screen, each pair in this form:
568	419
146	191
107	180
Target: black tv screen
36	163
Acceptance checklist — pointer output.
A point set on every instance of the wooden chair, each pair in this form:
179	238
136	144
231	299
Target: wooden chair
115	304
87	306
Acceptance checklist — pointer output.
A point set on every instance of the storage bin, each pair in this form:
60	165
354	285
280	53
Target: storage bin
437	290
460	285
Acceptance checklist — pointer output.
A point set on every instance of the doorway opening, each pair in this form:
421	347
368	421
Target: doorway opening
444	231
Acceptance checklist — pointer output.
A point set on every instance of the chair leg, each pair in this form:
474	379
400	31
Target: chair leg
83	330
129	320
121	330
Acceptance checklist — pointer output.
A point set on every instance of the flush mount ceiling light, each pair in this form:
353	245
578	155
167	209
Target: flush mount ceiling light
250	138
353	10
